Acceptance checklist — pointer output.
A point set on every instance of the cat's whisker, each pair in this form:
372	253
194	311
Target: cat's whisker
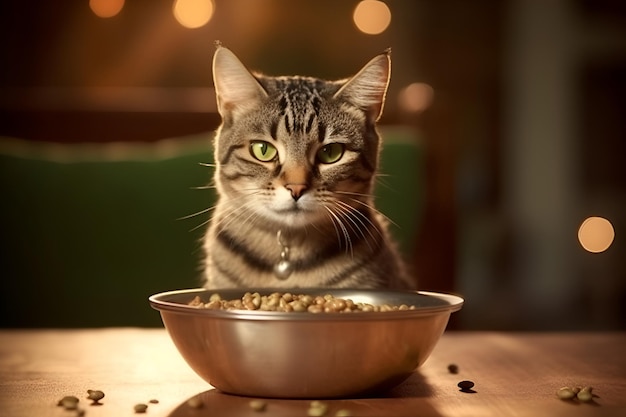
370	207
339	225
333	221
204	187
355	216
346	214
222	223
380	180
358	213
256	190
235	200
205	164
204	223
228	213
375	210
231	214
206	210
252	216
189	216
346	211
336	224
354	193
245	207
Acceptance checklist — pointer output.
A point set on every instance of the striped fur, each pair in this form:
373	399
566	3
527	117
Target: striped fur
324	211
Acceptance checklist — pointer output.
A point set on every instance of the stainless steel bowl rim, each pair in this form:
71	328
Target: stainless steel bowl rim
439	303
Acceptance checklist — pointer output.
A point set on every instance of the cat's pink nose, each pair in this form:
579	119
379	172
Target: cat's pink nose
296	190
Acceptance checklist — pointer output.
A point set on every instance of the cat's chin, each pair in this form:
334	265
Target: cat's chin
293	217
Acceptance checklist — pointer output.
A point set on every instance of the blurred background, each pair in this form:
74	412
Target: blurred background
508	182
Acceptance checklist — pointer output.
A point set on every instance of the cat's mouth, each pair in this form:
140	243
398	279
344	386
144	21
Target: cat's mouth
294	213
294	209
290	205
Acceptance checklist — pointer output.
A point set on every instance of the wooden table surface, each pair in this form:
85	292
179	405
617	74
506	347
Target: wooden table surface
516	374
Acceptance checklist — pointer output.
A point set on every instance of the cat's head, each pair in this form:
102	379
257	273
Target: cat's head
298	150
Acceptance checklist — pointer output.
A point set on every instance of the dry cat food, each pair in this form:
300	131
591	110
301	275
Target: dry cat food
317	408
583	394
466	386
453	368
95	395
287	302
140	408
69	402
258	405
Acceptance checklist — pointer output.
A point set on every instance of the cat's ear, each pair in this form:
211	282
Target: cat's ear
367	89
236	88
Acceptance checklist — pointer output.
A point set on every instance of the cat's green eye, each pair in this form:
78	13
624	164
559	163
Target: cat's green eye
331	153
263	151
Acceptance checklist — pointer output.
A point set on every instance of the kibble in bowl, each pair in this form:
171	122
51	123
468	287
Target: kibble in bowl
305	353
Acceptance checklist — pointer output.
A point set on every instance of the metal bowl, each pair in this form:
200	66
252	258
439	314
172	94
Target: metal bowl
306	355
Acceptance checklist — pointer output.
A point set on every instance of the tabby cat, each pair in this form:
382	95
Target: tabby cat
296	161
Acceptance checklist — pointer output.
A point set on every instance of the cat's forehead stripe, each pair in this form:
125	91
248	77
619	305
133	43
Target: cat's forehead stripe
309	124
299	104
274	129
321	132
287	123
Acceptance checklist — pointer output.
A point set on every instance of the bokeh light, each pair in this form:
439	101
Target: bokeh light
193	14
372	16
415	97
596	234
106	8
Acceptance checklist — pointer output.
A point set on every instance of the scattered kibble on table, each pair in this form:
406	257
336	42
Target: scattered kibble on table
583	394
453	368
466	386
317	409
69	402
140	408
258	405
565	393
95	395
